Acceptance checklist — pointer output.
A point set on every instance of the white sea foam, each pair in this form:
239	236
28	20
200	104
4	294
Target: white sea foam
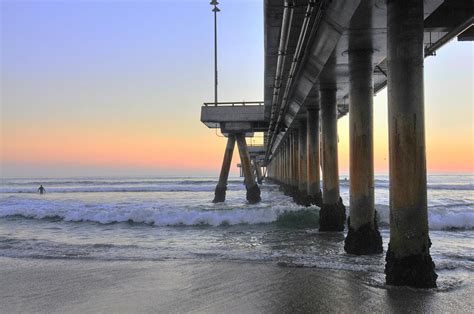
454	216
155	217
452	220
450	208
439	219
121	188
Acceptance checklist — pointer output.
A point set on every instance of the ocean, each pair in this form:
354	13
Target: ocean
173	219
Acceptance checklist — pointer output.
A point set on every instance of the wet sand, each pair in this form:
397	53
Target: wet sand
73	286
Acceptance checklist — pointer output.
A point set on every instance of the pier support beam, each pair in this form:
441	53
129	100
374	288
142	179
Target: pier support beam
291	161
408	260
258	171
363	236
221	187
296	160
314	188
302	196
332	215
253	191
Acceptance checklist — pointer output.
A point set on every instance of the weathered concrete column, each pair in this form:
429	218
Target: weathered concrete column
408	257
296	164
221	187
285	162
259	172
292	159
253	191
302	196
332	215
363	236
314	188
278	167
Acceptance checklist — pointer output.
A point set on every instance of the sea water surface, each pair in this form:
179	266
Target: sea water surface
153	219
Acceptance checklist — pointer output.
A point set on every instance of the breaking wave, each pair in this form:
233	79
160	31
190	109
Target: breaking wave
451	216
451	205
156	218
104	186
439	219
123	189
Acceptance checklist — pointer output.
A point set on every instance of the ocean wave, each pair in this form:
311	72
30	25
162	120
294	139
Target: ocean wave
61	182
456	187
111	189
451	220
461	220
446	217
385	184
188	217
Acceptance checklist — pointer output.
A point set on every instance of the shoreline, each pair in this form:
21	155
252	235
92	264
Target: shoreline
54	286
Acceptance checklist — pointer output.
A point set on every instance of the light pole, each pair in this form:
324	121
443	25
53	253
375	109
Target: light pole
215	10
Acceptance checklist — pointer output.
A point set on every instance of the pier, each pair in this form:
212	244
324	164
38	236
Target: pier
325	60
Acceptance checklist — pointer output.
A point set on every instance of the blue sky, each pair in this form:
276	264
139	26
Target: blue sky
106	87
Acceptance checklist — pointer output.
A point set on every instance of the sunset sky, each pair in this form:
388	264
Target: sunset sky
96	88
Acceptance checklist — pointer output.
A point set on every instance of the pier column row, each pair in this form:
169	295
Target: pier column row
221	188
408	257
363	236
253	191
332	215
312	137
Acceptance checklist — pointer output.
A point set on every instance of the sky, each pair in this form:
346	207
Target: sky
99	88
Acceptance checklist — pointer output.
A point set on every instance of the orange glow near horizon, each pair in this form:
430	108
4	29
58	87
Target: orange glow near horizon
114	148
199	151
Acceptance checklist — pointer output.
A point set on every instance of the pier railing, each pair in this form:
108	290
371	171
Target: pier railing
233	103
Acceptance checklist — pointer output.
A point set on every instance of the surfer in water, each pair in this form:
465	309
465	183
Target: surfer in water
41	189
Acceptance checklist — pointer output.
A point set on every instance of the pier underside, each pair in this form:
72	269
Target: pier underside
327	59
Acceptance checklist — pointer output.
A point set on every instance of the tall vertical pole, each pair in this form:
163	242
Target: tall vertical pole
303	177
363	236
215	10
314	187
296	164
215	57
408	256
332	215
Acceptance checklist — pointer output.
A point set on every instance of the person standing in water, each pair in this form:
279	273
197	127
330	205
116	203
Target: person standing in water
41	189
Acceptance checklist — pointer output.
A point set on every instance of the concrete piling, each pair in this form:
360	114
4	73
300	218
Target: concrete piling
312	128
408	260
296	160
258	170
363	236
221	187
332	215
253	191
291	160
302	194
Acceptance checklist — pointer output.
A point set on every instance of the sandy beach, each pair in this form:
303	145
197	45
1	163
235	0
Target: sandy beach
79	286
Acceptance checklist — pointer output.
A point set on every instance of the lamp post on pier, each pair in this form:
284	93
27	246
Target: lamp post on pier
215	10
